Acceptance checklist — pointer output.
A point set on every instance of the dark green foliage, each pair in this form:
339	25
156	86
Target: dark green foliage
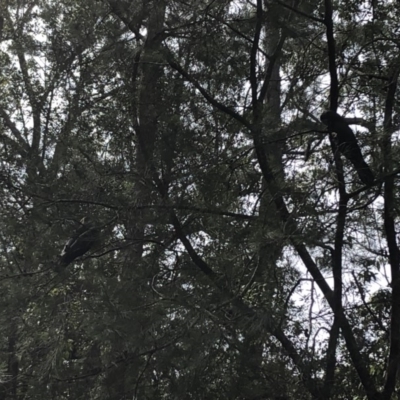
149	116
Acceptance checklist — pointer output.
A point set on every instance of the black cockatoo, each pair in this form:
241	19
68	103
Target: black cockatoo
80	243
347	144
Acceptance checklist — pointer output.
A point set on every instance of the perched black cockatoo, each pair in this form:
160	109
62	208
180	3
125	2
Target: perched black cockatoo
347	144
80	243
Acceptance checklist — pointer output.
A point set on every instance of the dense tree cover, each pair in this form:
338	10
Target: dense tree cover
239	254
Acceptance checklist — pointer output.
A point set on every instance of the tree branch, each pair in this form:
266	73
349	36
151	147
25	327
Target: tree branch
390	231
253	61
328	20
208	96
15	131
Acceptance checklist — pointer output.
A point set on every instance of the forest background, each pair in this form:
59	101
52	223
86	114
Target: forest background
240	256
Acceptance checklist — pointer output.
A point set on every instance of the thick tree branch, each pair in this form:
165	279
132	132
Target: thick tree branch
20	141
341	220
289	223
331	358
337	272
328	20
270	69
198	261
390	231
253	61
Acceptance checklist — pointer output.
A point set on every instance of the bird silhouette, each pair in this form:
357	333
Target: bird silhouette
347	144
80	242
